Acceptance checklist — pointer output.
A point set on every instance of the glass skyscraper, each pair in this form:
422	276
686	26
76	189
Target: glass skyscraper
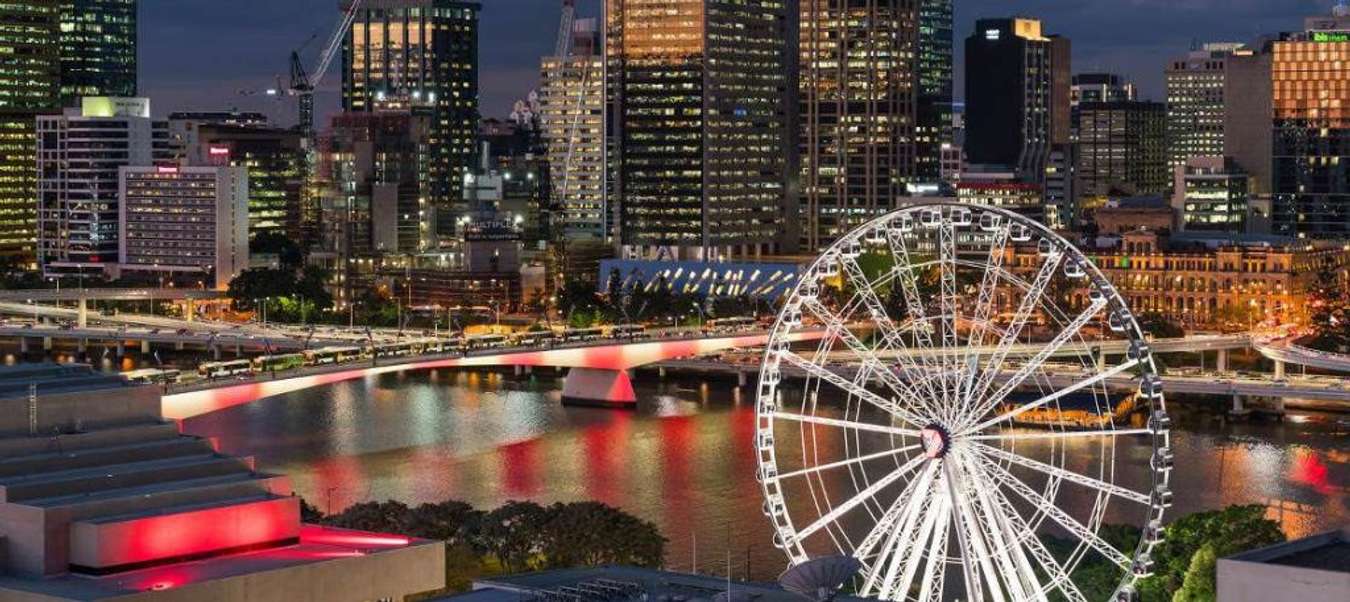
934	112
421	55
98	49
29	86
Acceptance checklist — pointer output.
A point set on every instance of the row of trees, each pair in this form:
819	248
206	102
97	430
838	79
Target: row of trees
515	537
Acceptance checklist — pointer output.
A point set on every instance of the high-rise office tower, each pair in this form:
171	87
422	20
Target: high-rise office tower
1195	102
1100	87
858	108
188	224
79	154
934	108
98	49
275	160
1013	112
572	120
421	54
1248	111
1311	100
1122	149
29	86
1210	194
703	95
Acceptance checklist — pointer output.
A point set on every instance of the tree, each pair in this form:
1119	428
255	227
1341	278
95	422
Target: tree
1199	584
1329	312
512	533
452	521
593	534
1160	326
380	517
1229	531
288	252
260	283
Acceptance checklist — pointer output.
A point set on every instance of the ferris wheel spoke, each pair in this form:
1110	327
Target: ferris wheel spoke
887	525
1066	391
1030	366
904	270
898	543
1024	311
1067	475
849	462
1061	435
860	497
900	575
934	574
1023	535
1016	569
984	305
869	356
844	424
972	544
1084	534
890	407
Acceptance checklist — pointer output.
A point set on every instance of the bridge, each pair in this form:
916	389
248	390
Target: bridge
597	375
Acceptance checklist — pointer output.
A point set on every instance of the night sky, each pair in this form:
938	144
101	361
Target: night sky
201	54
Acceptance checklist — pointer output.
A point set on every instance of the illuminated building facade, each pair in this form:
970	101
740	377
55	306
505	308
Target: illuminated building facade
1013	95
29	86
79	153
1122	149
572	120
703	93
934	108
420	54
858	112
185	221
1021	197
1311	100
275	161
1212	194
98	49
1195	102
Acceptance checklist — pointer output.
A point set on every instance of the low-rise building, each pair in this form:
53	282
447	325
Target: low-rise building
1211	194
1312	569
1135	213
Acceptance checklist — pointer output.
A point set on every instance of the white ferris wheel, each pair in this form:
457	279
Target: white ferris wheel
982	403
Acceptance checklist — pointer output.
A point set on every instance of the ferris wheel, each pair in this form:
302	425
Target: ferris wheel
981	405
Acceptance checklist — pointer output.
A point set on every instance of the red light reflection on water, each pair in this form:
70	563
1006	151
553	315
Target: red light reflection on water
520	468
607	458
1309	470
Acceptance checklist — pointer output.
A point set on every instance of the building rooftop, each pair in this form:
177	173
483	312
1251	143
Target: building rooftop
1324	552
621	584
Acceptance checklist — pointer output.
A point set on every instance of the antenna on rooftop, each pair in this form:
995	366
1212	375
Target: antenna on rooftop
820	579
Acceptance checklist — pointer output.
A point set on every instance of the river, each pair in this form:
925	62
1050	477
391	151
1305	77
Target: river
683	460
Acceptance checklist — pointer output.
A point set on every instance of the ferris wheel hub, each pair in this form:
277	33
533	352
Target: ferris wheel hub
936	441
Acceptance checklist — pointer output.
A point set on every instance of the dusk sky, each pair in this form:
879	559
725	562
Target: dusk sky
200	54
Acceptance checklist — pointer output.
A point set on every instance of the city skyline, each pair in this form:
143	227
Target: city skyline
187	67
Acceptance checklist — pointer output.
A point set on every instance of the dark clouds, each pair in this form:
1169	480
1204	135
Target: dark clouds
200	54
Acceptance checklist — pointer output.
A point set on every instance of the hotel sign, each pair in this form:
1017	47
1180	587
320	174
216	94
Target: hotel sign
1331	36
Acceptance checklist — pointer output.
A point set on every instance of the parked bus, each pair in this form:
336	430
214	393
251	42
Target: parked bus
152	376
572	335
732	324
395	349
275	363
534	338
230	368
331	355
485	341
629	331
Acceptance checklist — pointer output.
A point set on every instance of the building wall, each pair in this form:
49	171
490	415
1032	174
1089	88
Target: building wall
860	143
933	115
572	104
1122	147
1248	110
1311	176
276	163
1195	103
29	86
98	49
1011	97
185	220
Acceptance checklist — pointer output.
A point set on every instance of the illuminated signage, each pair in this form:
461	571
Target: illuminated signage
1331	36
217	151
992	35
166	169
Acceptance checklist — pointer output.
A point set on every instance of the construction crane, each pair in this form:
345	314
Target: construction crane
304	83
569	17
562	52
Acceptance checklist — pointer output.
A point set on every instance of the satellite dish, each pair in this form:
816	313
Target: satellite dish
820	579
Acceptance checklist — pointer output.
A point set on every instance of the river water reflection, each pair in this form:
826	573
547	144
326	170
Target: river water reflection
683	460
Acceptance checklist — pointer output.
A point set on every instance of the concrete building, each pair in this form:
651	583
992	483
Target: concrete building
1195	102
275	158
859	124
1013	100
1248	136
1101	87
79	154
704	94
1122	149
572	123
1211	193
1312	569
184	222
130	509
1311	101
1025	198
99	41
29	86
1120	216
420	54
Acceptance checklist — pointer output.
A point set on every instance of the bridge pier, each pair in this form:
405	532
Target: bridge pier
121	348
661	372
179	346
83	317
1239	406
740	378
1279	369
519	370
145	346
598	387
1222	362
83	345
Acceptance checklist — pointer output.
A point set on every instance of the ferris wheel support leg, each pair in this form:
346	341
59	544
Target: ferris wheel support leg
598	387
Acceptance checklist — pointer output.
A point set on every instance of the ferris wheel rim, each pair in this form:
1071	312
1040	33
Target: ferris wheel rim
956	444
